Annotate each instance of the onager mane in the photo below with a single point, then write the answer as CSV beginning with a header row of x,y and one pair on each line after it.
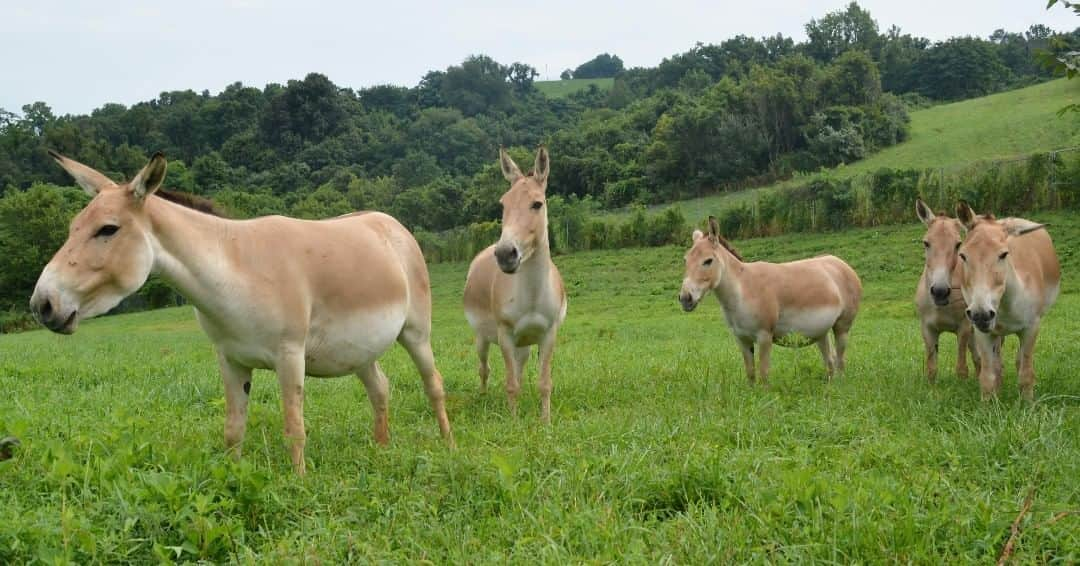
x,y
194,202
730,248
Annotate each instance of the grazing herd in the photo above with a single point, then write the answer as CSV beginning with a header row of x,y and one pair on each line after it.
x,y
328,298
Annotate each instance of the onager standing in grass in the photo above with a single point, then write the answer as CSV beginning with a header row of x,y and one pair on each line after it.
x,y
794,303
938,298
514,294
324,298
1011,277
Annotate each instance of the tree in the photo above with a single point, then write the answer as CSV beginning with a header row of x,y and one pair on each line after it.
x,y
852,79
962,67
566,75
840,31
521,77
601,66
476,86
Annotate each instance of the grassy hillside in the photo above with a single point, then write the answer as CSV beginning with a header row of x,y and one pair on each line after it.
x,y
659,449
559,89
1001,126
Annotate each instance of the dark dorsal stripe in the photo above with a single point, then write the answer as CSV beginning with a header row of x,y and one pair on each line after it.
x,y
191,201
727,246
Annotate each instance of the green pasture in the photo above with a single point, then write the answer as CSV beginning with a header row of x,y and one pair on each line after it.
x,y
659,450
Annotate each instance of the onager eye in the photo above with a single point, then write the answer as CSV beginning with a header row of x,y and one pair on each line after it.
x,y
106,231
963,258
1003,255
707,262
537,205
926,244
957,248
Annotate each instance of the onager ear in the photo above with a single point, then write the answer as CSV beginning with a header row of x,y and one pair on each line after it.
x,y
923,212
1019,226
714,229
542,166
698,234
150,178
91,180
509,169
966,216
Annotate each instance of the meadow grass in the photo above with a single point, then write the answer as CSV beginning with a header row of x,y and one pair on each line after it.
x,y
1001,126
563,88
659,449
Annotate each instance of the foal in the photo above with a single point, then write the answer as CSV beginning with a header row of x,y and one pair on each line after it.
x,y
324,298
938,299
767,303
514,294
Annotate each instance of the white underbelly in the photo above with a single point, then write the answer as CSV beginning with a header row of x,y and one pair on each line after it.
x,y
342,346
808,323
531,328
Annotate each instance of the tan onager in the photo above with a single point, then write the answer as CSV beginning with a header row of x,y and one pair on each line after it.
x,y
320,298
938,299
514,295
765,303
1011,277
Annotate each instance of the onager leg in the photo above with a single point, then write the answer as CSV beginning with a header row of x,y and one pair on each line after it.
x,y
514,358
826,354
1025,359
930,340
963,343
840,335
378,392
747,348
237,380
482,352
989,360
290,371
764,346
546,349
418,344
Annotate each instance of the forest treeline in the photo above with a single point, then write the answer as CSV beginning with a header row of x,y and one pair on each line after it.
x,y
740,112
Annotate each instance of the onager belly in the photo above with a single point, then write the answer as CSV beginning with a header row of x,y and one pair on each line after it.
x,y
530,329
343,345
797,328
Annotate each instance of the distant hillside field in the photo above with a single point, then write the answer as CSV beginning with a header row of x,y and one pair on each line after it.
x,y
1001,126
559,89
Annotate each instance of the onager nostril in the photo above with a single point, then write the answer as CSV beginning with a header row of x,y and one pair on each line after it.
x,y
46,309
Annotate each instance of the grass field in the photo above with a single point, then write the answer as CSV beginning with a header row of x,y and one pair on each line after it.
x,y
559,89
659,450
1001,126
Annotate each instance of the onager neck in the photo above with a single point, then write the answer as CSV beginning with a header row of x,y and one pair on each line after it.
x,y
190,253
729,289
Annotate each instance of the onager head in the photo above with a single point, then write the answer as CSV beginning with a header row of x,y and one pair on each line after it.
x,y
986,262
108,254
524,221
942,241
704,265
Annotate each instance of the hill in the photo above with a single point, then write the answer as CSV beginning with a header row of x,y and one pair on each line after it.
x,y
659,449
562,88
1000,126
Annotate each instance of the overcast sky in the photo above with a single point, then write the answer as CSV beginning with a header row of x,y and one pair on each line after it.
x,y
78,55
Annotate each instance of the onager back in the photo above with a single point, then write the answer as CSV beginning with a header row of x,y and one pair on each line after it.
x,y
514,294
938,299
324,298
794,303
1011,277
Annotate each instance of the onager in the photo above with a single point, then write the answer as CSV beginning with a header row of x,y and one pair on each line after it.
x,y
514,294
794,303
323,298
937,298
1011,277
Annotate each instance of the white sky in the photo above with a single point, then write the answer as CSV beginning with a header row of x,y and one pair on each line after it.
x,y
78,55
